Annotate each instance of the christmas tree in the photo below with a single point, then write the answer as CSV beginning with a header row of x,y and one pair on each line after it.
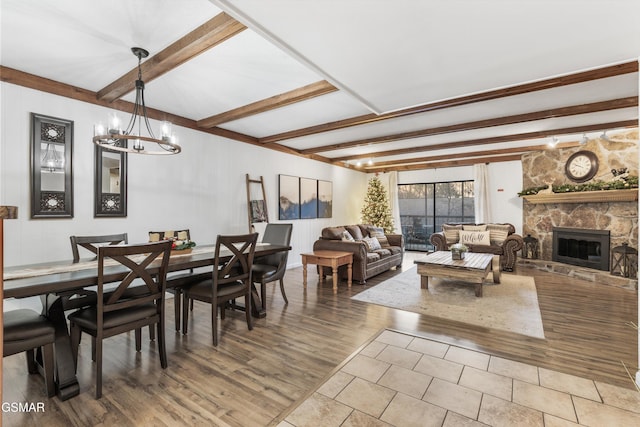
x,y
376,210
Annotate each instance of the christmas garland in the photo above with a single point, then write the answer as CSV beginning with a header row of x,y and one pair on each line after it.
x,y
620,184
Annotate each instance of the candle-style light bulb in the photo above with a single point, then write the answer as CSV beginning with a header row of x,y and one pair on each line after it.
x,y
114,124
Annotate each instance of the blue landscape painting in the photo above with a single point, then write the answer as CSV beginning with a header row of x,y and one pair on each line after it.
x,y
308,198
289,201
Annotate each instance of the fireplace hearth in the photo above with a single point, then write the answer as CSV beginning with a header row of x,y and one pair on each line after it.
x,y
582,247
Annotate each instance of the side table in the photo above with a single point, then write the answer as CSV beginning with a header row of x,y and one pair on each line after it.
x,y
333,259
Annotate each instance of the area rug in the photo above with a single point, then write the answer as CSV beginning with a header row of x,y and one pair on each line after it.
x,y
511,305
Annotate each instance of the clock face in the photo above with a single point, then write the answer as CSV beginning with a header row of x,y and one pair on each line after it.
x,y
581,166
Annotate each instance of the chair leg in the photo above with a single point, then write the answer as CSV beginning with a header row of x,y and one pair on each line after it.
x,y
263,294
185,313
176,307
31,361
139,338
284,295
247,303
98,368
47,359
152,333
93,348
214,323
162,347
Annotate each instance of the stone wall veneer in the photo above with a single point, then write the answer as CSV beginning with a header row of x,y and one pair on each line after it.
x,y
547,167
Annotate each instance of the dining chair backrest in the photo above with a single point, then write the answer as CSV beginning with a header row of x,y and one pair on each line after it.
x,y
156,236
139,259
238,268
277,234
92,243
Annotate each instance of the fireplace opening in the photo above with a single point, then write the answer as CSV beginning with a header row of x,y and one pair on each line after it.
x,y
581,247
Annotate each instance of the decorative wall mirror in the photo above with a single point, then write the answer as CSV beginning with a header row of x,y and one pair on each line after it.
x,y
51,171
110,194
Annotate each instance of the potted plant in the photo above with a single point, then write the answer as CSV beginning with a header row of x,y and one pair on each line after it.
x,y
458,250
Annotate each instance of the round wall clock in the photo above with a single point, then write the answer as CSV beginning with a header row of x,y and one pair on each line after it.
x,y
581,166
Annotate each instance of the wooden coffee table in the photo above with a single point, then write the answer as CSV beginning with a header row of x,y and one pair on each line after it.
x,y
333,259
473,268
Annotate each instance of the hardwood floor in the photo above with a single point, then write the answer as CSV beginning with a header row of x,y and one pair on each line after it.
x,y
252,377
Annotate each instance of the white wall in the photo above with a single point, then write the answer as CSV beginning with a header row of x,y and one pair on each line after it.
x,y
203,188
505,181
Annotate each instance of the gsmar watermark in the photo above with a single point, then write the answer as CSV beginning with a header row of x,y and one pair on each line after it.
x,y
22,406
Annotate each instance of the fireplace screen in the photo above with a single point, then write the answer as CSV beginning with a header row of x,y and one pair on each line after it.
x,y
582,247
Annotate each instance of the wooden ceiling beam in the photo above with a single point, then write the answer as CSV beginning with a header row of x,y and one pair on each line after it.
x,y
493,140
211,33
446,164
555,82
631,101
470,154
296,95
42,84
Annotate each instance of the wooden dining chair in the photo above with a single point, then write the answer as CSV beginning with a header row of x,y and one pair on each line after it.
x,y
230,280
124,309
269,268
92,243
25,331
177,281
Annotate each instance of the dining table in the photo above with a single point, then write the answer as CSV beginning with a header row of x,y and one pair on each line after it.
x,y
53,280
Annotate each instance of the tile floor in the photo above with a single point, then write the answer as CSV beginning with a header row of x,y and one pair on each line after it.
x,y
404,380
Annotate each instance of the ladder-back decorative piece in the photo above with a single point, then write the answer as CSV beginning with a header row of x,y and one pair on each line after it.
x,y
256,207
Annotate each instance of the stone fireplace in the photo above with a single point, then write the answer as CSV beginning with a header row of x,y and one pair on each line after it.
x,y
617,219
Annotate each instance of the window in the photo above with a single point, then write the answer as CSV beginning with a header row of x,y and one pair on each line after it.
x,y
425,207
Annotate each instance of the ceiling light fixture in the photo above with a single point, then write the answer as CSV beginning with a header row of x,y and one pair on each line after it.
x,y
115,138
554,142
370,162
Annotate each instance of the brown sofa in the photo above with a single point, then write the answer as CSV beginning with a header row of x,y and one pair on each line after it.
x,y
366,263
505,246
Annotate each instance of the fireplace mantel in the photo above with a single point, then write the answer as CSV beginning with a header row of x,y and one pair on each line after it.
x,y
605,196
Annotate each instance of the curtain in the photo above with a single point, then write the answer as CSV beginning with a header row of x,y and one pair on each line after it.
x,y
393,201
481,193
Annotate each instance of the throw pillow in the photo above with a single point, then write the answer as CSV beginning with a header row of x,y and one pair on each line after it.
x,y
355,231
475,238
372,243
482,227
499,233
332,233
378,233
451,233
347,237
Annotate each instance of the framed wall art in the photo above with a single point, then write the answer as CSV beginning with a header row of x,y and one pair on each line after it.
x,y
308,198
288,197
325,199
51,171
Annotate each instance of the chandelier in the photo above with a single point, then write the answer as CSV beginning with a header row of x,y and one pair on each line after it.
x,y
113,137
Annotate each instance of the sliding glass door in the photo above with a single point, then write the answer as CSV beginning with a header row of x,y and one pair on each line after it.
x,y
425,207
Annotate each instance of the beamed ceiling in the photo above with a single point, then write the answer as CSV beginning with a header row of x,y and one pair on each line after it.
x,y
374,85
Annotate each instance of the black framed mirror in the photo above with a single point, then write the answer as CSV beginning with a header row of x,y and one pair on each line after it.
x,y
110,192
51,169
